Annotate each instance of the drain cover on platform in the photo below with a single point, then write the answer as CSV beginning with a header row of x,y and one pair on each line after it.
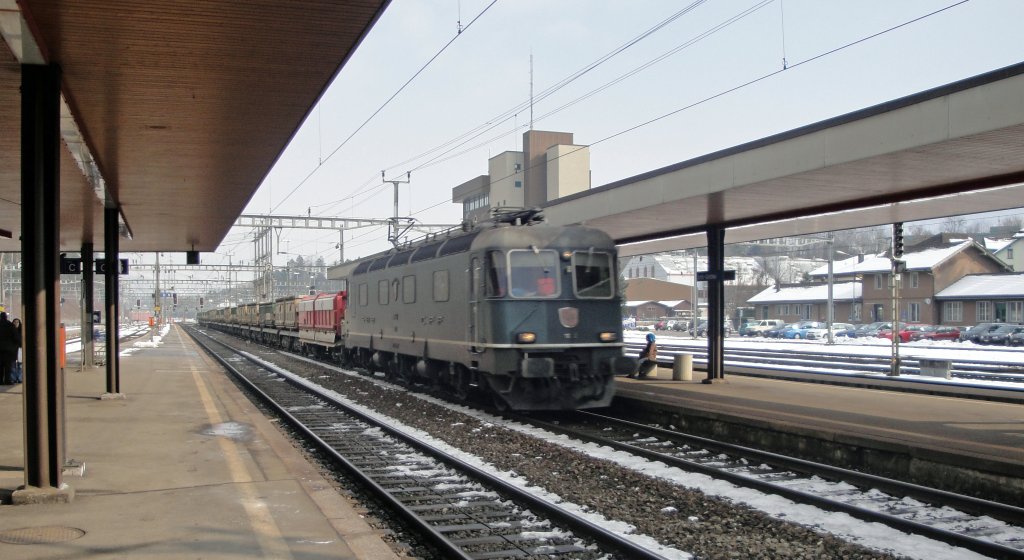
x,y
40,535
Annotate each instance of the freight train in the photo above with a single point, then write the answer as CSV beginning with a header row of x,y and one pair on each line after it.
x,y
525,312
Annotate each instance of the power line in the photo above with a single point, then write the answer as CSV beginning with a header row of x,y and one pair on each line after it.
x,y
385,104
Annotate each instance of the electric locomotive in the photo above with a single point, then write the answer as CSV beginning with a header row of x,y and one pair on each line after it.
x,y
525,311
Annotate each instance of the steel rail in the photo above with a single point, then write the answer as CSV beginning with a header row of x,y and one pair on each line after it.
x,y
978,506
578,524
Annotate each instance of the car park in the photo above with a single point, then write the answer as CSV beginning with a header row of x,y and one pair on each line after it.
x,y
822,332
936,332
777,331
974,333
871,330
906,330
758,328
1000,335
800,329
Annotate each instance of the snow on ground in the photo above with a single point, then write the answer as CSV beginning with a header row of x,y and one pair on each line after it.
x,y
871,347
872,535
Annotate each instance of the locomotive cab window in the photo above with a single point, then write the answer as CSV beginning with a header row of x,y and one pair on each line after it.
x,y
533,274
592,274
497,274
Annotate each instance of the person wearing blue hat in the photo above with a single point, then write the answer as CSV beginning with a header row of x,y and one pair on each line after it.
x,y
648,359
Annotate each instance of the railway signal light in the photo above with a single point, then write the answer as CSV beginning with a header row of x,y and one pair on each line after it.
x,y
174,298
897,240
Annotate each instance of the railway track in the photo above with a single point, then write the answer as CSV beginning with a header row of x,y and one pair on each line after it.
x,y
461,510
990,528
829,362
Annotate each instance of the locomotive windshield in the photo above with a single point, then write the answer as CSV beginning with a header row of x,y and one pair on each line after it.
x,y
592,274
533,274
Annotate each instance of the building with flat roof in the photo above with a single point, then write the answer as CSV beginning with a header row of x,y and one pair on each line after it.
x,y
549,167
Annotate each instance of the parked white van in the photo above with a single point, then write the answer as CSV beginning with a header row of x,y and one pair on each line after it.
x,y
758,328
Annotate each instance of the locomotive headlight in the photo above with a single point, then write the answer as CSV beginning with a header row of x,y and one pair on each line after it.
x,y
526,338
608,337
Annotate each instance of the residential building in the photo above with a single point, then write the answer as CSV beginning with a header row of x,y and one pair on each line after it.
x,y
804,302
983,298
1009,250
931,267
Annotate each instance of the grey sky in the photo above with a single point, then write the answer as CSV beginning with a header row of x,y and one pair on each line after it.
x,y
486,71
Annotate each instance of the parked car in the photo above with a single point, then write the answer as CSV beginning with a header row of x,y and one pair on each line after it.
x,y
853,331
1016,339
702,329
906,330
776,332
872,329
801,328
681,326
972,334
936,332
822,332
758,328
1000,335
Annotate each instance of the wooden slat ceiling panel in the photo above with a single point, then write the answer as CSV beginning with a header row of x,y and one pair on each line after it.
x,y
185,105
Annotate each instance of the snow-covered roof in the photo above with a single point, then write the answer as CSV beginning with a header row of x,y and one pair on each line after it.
x,y
996,245
917,260
845,291
669,303
984,286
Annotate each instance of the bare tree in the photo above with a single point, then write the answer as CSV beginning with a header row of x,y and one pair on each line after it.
x,y
770,268
1016,222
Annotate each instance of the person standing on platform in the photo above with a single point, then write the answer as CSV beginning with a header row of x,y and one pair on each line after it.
x,y
17,361
8,349
648,359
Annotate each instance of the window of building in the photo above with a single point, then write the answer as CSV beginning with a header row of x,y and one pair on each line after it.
x,y
878,281
441,289
1009,254
519,184
914,280
953,311
855,312
914,312
984,311
805,312
1015,311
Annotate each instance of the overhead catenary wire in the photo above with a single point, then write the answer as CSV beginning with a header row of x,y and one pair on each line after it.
x,y
511,113
727,91
383,105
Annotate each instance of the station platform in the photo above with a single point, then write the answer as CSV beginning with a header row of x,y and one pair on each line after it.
x,y
969,446
184,467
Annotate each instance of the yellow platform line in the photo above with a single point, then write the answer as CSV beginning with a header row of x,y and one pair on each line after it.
x,y
268,535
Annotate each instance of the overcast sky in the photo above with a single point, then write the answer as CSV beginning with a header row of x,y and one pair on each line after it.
x,y
717,72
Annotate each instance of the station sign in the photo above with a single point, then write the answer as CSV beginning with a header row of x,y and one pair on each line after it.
x,y
101,266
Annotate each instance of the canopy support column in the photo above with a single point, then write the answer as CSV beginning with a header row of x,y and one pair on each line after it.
x,y
716,304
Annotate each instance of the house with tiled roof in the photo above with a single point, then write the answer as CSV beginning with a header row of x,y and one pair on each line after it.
x,y
983,298
930,268
809,302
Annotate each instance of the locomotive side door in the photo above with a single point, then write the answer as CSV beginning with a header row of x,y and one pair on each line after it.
x,y
473,332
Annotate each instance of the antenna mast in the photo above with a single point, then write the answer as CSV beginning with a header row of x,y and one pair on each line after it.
x,y
531,91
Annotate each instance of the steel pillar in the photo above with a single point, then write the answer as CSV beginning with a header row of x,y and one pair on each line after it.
x,y
716,304
113,268
40,219
88,348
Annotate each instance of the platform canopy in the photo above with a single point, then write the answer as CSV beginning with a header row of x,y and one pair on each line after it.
x,y
174,111
952,150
